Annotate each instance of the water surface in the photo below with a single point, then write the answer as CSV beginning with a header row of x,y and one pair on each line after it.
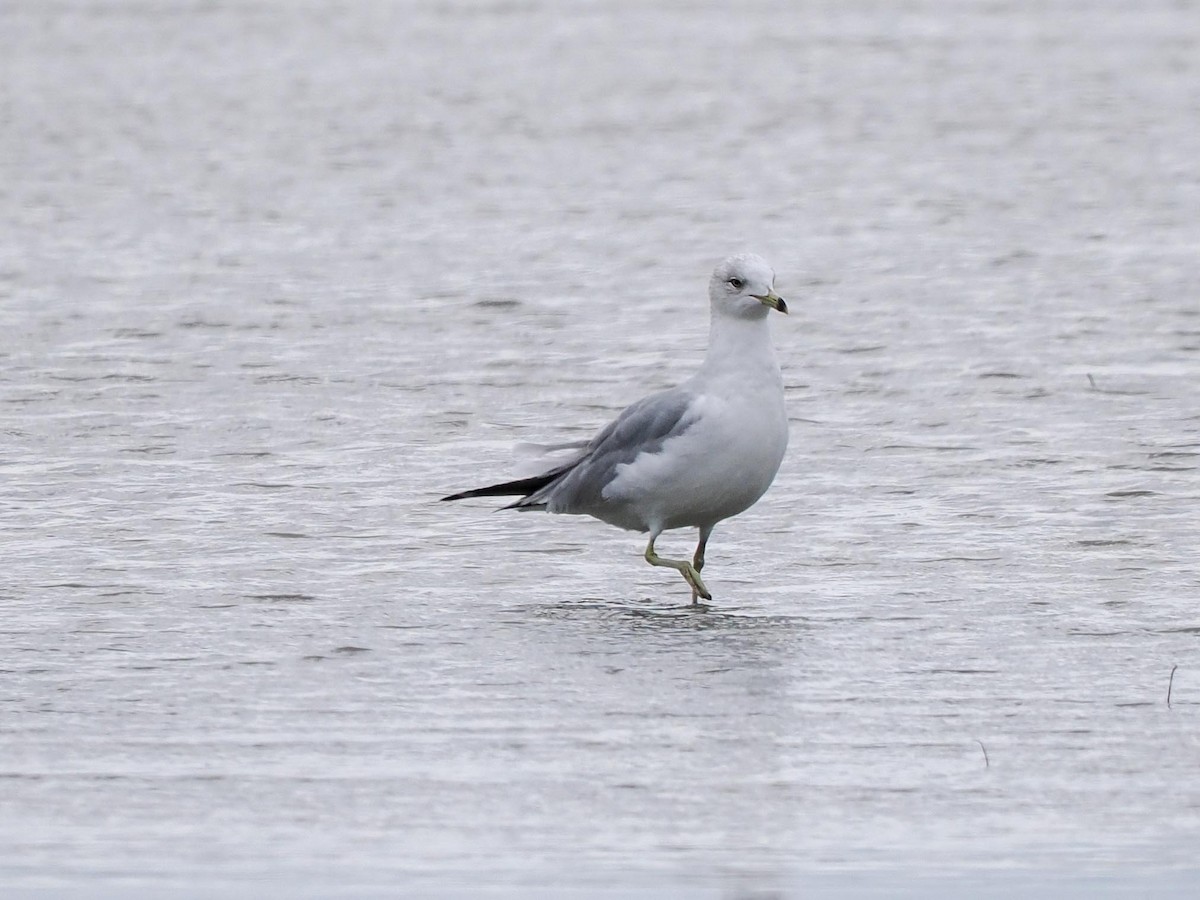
x,y
276,277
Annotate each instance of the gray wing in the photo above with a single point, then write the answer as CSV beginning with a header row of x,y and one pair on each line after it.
x,y
640,428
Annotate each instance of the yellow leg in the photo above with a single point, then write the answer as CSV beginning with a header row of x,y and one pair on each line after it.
x,y
698,559
683,567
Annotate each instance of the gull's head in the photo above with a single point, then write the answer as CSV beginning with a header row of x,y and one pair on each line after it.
x,y
743,286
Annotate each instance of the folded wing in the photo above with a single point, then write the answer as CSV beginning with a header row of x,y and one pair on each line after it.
x,y
577,486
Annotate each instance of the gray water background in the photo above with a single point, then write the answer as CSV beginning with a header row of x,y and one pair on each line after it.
x,y
276,276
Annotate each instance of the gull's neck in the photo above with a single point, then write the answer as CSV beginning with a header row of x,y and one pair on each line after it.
x,y
739,347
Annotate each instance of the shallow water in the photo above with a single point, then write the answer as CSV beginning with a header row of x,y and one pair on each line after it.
x,y
276,277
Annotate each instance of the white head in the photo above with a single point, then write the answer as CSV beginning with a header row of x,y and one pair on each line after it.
x,y
743,287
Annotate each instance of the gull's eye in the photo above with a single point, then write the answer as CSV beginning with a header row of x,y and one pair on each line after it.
x,y
736,283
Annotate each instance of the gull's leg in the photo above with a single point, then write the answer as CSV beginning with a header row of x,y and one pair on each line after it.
x,y
698,560
682,566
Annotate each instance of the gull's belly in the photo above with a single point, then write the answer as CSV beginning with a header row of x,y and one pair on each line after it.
x,y
716,469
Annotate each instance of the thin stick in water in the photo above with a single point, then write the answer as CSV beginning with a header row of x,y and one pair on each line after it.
x,y
1171,684
986,762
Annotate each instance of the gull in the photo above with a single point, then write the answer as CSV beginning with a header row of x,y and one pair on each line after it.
x,y
690,456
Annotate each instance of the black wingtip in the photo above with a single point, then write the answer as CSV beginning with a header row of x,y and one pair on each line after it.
x,y
467,495
522,487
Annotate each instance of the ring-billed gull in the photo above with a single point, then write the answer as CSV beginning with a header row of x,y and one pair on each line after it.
x,y
690,456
